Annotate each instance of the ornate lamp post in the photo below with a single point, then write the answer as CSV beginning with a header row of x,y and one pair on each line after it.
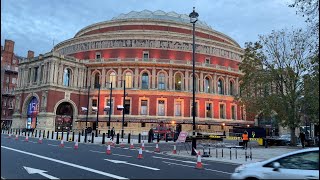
x,y
110,110
193,19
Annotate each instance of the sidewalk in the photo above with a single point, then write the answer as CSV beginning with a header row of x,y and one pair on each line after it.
x,y
258,154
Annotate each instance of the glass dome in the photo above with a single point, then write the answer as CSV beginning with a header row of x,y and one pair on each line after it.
x,y
160,15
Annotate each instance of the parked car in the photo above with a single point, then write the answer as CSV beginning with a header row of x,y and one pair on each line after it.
x,y
301,164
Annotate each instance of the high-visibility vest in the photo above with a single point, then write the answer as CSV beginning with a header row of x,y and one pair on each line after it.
x,y
244,136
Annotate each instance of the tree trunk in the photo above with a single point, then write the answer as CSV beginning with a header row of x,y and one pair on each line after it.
x,y
293,137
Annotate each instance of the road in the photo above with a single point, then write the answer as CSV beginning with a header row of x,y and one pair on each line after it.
x,y
31,160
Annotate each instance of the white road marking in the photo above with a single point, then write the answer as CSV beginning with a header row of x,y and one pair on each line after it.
x,y
39,171
137,165
68,147
52,145
67,163
111,154
194,167
191,162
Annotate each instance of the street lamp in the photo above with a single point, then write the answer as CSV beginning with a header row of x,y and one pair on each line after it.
x,y
193,19
124,98
110,110
97,120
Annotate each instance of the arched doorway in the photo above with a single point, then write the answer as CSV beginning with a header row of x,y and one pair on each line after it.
x,y
64,117
32,113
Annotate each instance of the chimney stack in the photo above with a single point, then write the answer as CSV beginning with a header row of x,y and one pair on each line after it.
x,y
9,45
30,54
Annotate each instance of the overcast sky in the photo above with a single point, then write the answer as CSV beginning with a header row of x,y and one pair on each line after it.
x,y
34,24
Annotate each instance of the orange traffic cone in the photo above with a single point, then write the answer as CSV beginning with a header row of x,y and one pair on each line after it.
x,y
40,140
199,153
142,145
140,154
199,163
16,136
9,136
174,149
157,148
108,150
122,144
109,143
27,139
131,145
61,144
76,145
112,144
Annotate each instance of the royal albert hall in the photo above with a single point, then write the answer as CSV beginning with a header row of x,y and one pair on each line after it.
x,y
147,56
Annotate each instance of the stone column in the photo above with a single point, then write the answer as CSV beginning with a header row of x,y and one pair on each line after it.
x,y
103,78
75,77
186,81
153,78
38,74
227,86
119,77
19,77
237,87
61,72
201,81
170,78
136,78
45,68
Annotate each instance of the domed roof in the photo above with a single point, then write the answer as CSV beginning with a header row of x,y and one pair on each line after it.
x,y
160,15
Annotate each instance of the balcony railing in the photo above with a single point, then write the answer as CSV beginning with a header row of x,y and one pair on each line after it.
x,y
160,61
11,68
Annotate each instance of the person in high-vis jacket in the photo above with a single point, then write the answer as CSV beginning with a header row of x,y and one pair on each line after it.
x,y
245,139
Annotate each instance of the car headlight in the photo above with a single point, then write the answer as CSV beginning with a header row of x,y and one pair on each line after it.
x,y
239,169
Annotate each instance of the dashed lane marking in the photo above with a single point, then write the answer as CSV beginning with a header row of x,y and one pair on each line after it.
x,y
52,145
194,167
111,154
67,163
190,162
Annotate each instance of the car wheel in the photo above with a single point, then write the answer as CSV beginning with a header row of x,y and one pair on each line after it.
x,y
251,178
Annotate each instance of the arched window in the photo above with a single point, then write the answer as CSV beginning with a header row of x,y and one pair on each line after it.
x,y
96,80
145,81
128,78
220,87
231,88
207,83
161,81
112,79
196,87
67,77
178,82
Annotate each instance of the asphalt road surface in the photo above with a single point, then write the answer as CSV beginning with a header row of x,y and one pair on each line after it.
x,y
31,160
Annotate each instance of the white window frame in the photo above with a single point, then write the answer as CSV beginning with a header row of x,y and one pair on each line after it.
x,y
235,111
145,52
181,107
209,102
224,110
106,101
140,107
165,106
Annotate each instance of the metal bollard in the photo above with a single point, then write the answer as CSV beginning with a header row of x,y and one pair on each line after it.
x,y
216,152
117,141
158,137
108,133
82,132
236,154
230,153
79,136
32,133
92,137
139,138
52,132
61,135
39,133
25,133
265,143
19,132
85,137
250,154
57,135
129,138
11,131
48,135
67,139
16,131
245,153
222,153
99,131
73,136
103,138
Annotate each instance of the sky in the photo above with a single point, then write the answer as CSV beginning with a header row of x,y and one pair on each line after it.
x,y
38,24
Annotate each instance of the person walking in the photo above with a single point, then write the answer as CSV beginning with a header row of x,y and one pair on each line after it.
x,y
245,139
112,132
302,138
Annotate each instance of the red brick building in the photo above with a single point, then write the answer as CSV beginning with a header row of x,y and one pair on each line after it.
x,y
152,52
9,75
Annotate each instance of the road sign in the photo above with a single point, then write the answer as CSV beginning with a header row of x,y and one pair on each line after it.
x,y
182,136
39,171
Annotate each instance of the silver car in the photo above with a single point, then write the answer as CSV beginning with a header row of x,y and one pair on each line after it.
x,y
301,164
